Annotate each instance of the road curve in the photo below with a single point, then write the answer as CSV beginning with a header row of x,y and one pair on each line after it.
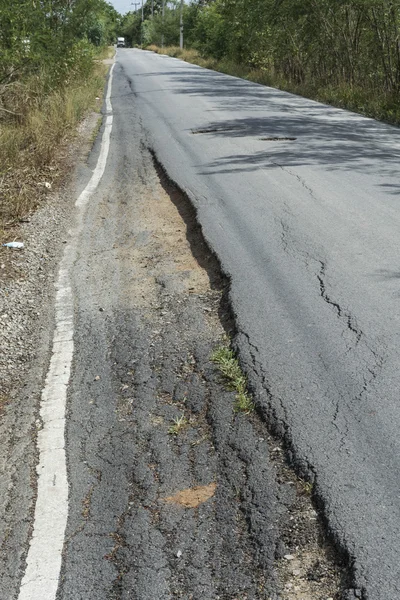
x,y
300,202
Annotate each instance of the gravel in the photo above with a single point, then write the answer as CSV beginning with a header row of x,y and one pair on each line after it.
x,y
26,328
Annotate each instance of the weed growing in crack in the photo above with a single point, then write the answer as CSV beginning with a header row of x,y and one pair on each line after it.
x,y
229,367
179,424
244,403
203,438
86,503
308,487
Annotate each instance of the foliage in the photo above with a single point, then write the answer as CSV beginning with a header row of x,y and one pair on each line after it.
x,y
210,33
342,51
49,78
156,28
32,150
52,36
351,41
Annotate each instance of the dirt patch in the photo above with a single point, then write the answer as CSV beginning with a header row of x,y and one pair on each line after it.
x,y
193,497
309,568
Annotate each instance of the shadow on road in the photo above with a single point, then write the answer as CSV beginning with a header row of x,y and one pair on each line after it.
x,y
325,135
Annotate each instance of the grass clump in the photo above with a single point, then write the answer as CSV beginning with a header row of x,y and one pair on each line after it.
x,y
307,487
236,381
105,53
179,425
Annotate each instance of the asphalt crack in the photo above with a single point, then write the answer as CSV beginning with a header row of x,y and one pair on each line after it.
x,y
155,419
343,314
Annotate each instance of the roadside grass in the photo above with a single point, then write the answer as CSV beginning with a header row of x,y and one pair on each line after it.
x,y
235,380
179,425
369,101
33,143
188,55
106,53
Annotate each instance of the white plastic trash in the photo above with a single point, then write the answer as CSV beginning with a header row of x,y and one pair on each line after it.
x,y
14,245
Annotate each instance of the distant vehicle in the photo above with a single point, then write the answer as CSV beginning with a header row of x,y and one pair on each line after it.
x,y
121,42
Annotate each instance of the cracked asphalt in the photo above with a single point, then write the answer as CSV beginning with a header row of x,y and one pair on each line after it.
x,y
146,325
277,225
306,230
206,510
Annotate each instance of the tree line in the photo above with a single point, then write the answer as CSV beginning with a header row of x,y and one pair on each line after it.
x,y
346,45
338,44
50,41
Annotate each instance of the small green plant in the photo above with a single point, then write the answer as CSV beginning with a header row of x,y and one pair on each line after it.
x,y
244,403
228,365
307,487
179,424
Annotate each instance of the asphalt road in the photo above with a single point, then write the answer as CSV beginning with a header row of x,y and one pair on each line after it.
x,y
307,230
157,513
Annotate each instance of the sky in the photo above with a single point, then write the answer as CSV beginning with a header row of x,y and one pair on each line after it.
x,y
124,6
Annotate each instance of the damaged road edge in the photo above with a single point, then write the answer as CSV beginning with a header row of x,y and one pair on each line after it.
x,y
291,470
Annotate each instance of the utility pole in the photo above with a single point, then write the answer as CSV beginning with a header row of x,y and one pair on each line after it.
x,y
181,27
141,29
135,4
163,14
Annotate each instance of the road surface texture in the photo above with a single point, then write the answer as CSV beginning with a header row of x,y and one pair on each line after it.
x,y
300,202
126,471
209,207
172,494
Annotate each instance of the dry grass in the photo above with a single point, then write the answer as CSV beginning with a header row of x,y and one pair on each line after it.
x,y
188,55
33,146
106,53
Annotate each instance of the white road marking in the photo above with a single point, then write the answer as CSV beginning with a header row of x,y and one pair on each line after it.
x,y
41,578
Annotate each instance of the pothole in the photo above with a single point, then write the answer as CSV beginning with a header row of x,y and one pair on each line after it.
x,y
208,489
215,130
278,139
